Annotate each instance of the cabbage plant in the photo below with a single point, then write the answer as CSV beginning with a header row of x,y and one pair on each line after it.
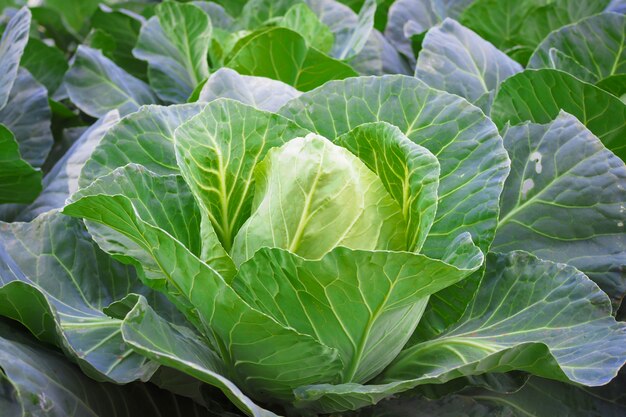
x,y
325,257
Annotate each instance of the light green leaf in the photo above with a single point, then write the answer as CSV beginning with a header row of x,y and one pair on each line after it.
x,y
145,137
517,27
217,151
175,43
96,85
254,346
27,115
473,160
312,196
46,63
597,44
365,304
564,200
180,348
38,381
350,41
260,92
55,280
409,172
12,44
19,181
456,60
261,53
301,19
539,95
545,318
62,180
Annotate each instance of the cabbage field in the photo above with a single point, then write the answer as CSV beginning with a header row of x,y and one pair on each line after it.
x,y
300,208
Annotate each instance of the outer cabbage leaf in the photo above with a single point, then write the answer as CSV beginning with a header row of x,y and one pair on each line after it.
x,y
260,92
62,180
539,95
46,63
175,43
39,381
56,281
301,19
564,200
408,18
180,348
517,27
12,44
365,304
592,49
27,115
456,60
254,346
96,85
545,318
262,53
19,181
145,137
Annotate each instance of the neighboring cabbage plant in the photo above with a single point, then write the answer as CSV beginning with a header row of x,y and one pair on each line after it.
x,y
327,256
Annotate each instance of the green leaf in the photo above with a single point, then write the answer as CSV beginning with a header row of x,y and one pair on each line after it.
x,y
260,92
545,318
616,85
55,281
74,13
312,196
301,19
544,398
175,44
409,173
123,28
46,63
62,180
261,53
145,137
19,181
473,160
597,44
517,27
539,95
564,200
12,44
96,85
217,151
38,381
456,60
254,346
180,348
27,115
342,301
